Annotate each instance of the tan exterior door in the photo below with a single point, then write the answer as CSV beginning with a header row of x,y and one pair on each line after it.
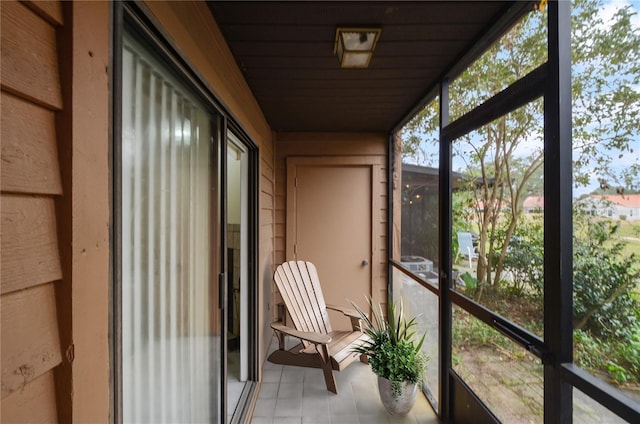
x,y
329,223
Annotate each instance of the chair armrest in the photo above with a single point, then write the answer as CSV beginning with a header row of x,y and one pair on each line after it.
x,y
315,338
353,315
346,311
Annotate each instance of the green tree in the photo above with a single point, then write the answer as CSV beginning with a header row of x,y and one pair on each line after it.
x,y
504,159
603,279
606,98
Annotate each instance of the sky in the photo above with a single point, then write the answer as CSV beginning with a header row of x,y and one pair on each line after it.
x,y
609,9
625,161
607,12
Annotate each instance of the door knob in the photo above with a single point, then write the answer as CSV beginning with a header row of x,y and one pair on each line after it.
x,y
365,262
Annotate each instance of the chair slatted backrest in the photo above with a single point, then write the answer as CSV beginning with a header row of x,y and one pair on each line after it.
x,y
465,243
299,286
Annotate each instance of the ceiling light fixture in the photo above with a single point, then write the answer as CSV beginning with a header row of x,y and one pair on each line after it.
x,y
354,46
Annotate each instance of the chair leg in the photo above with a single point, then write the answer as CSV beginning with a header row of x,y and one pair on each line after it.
x,y
281,341
329,378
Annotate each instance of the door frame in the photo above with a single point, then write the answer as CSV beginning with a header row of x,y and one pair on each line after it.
x,y
249,394
375,164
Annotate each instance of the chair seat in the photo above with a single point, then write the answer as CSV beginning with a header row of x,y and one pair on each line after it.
x,y
341,348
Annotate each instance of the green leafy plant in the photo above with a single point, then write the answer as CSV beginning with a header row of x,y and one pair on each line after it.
x,y
524,258
391,349
604,281
470,282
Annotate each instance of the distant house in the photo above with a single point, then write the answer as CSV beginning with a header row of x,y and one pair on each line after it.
x,y
504,206
613,206
533,204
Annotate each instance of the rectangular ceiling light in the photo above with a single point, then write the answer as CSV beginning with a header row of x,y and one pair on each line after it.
x,y
354,46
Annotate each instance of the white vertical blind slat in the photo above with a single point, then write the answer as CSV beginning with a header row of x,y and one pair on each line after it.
x,y
148,201
173,243
137,260
184,241
191,260
127,198
168,341
164,241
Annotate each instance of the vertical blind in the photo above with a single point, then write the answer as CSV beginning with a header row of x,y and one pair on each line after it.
x,y
170,351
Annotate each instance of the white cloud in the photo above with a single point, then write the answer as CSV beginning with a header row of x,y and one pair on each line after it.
x,y
610,8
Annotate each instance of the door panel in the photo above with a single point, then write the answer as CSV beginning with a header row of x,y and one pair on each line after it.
x,y
331,209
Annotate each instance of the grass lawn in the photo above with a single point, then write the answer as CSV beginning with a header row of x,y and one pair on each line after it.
x,y
630,230
633,247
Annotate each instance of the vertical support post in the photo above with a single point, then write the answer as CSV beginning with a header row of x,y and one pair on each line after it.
x,y
391,212
444,255
558,230
83,380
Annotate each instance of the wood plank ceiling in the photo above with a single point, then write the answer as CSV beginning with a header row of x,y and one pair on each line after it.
x,y
285,50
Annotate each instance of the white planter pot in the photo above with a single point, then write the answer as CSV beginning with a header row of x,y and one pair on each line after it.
x,y
397,397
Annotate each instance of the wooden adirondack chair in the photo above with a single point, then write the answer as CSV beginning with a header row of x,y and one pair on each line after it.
x,y
320,346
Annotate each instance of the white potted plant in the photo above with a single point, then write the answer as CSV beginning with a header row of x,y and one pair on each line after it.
x,y
394,356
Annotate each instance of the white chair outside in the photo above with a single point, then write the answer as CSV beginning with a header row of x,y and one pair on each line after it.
x,y
465,246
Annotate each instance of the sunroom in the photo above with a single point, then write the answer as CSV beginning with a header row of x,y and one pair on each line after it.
x,y
161,159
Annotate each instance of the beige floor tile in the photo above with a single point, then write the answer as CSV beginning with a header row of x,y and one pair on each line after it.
x,y
290,391
287,420
295,395
288,408
269,390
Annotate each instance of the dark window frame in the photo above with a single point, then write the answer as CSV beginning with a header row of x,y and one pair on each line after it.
x,y
552,81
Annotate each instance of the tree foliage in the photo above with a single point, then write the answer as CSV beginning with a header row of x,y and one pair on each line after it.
x,y
525,258
606,96
504,159
603,279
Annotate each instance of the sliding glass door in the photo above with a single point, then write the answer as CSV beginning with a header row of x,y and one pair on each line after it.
x,y
185,194
170,316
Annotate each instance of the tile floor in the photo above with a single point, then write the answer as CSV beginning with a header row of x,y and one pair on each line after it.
x,y
295,395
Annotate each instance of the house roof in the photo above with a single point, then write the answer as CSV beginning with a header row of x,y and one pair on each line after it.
x,y
626,200
533,202
285,51
426,177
